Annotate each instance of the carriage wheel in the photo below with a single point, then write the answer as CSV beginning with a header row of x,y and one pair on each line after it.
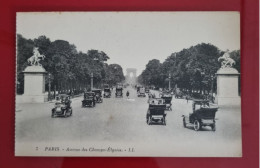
x,y
213,127
197,125
184,123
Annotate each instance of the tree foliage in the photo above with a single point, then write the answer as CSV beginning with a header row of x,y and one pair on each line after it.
x,y
190,69
69,68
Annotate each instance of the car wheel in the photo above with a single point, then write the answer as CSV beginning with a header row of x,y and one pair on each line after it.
x,y
197,125
184,123
149,121
213,127
164,121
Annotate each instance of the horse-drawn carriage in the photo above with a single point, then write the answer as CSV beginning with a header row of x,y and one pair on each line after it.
x,y
89,99
156,111
98,94
62,106
203,114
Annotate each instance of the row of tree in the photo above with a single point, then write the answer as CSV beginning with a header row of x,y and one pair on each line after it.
x,y
191,69
68,68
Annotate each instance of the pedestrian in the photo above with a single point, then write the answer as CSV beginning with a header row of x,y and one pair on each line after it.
x,y
187,98
127,94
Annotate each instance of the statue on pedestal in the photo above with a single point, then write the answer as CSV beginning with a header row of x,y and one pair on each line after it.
x,y
227,82
36,58
226,61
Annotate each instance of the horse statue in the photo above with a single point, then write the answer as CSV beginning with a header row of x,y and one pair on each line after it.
x,y
226,61
36,58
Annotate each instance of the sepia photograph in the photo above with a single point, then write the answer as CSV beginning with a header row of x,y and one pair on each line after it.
x,y
128,84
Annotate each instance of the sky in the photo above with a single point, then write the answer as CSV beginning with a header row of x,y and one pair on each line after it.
x,y
131,39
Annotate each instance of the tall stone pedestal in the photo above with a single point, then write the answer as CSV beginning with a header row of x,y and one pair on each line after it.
x,y
227,87
34,85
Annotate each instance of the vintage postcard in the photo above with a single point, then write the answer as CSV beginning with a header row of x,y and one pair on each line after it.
x,y
164,84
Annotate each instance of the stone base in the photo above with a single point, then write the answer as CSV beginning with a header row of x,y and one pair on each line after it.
x,y
32,98
228,101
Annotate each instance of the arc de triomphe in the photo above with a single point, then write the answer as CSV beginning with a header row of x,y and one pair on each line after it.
x,y
131,80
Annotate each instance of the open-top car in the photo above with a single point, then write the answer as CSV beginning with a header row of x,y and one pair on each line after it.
x,y
156,111
141,92
119,92
89,99
62,106
167,100
98,93
107,93
203,114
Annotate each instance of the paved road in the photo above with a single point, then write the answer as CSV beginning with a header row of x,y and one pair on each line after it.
x,y
123,120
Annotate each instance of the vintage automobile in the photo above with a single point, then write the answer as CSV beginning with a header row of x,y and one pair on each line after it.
x,y
107,93
62,106
203,114
156,111
168,101
106,86
179,94
198,96
138,88
98,94
147,90
89,99
141,92
119,92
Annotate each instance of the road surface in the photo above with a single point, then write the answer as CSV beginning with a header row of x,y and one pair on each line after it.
x,y
124,120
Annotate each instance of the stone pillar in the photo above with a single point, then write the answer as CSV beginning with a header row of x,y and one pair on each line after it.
x,y
227,87
34,85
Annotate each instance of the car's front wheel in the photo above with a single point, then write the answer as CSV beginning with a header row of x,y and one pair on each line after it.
x,y
197,125
213,127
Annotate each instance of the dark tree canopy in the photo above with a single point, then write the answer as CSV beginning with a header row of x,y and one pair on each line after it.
x,y
69,68
191,69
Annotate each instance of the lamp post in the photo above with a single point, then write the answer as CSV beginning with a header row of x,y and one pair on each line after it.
x,y
49,84
212,79
169,81
91,76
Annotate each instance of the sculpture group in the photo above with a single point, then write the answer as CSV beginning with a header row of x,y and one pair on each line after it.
x,y
226,61
36,58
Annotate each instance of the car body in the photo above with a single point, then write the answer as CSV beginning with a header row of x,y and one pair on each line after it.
x,y
203,114
119,92
98,94
179,94
62,106
167,101
89,99
141,92
147,90
107,93
156,111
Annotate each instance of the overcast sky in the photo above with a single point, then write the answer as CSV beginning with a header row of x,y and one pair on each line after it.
x,y
131,39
